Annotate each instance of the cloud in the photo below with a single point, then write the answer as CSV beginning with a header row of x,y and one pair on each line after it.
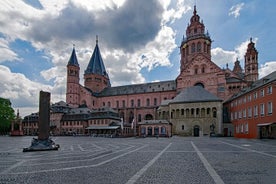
x,y
235,10
221,56
267,68
19,89
133,35
6,54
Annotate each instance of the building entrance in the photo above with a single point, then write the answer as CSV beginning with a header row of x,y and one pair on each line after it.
x,y
196,131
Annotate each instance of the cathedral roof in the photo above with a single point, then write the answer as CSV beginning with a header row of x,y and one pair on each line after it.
x,y
96,65
195,94
139,88
73,59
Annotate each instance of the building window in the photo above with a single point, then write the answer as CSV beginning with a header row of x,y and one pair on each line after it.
x,y
256,111
117,104
155,101
262,93
139,103
108,104
249,112
198,47
269,108
269,90
148,102
193,48
255,95
262,109
139,117
183,128
244,113
240,114
124,103
132,103
182,112
249,98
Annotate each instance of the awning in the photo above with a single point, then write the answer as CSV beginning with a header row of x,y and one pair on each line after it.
x,y
265,124
102,127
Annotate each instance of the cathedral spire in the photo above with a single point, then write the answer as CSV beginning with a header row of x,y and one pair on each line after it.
x,y
195,10
73,59
96,65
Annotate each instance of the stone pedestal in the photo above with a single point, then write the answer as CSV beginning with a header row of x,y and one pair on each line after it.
x,y
43,143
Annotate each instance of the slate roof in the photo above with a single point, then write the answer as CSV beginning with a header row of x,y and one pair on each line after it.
x,y
257,84
73,59
139,88
233,80
96,65
195,94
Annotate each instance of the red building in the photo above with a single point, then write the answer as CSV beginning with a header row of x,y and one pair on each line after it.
x,y
251,110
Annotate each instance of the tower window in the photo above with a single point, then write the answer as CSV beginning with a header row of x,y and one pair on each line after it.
x,y
193,48
198,47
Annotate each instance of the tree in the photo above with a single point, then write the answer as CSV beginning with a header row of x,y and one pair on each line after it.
x,y
6,115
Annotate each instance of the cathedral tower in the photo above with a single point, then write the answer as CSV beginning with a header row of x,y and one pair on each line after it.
x,y
197,41
251,63
95,75
73,86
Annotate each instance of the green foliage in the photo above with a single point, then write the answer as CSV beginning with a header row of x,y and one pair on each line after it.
x,y
6,115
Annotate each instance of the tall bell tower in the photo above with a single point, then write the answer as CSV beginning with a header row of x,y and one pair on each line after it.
x,y
251,63
197,41
73,78
95,75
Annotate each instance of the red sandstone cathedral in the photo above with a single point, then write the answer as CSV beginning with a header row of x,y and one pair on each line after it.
x,y
141,102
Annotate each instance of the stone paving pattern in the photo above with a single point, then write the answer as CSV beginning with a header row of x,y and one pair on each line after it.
x,y
140,160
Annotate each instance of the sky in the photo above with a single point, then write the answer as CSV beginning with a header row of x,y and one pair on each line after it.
x,y
139,40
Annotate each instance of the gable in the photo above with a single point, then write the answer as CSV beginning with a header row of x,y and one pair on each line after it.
x,y
199,65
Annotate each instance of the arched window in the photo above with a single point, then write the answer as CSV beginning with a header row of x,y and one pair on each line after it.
x,y
132,103
148,102
139,103
198,47
214,112
199,84
139,117
155,101
148,117
193,48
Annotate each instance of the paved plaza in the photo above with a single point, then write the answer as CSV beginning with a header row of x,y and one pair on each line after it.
x,y
140,160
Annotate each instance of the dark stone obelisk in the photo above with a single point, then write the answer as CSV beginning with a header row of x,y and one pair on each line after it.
x,y
44,115
43,142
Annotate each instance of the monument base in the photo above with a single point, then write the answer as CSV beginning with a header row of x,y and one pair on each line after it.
x,y
42,145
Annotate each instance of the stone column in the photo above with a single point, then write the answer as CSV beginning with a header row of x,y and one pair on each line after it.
x,y
44,115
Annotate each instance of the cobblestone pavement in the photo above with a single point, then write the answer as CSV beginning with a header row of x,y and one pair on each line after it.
x,y
140,160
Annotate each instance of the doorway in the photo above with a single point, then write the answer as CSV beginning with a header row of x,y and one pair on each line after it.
x,y
196,131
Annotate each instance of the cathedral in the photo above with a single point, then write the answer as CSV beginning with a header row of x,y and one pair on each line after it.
x,y
192,102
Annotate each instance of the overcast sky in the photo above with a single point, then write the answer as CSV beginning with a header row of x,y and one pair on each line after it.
x,y
138,39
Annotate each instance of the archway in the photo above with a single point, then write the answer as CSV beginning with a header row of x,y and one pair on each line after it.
x,y
148,117
199,84
196,131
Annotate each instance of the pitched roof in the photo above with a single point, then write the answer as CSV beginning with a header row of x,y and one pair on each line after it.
x,y
96,65
139,88
195,94
73,59
257,84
